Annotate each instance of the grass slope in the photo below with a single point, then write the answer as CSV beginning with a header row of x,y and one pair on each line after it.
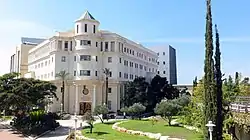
x,y
105,132
163,128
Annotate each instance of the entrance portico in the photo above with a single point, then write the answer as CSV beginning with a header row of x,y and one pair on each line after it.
x,y
85,95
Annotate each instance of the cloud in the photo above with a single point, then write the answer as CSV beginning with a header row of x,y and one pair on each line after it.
x,y
11,33
197,40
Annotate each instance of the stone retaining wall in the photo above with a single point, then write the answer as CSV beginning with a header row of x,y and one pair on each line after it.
x,y
156,136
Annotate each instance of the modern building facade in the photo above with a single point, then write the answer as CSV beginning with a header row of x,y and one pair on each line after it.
x,y
83,53
19,60
167,63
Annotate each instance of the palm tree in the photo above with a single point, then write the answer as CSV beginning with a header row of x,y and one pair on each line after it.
x,y
106,71
62,75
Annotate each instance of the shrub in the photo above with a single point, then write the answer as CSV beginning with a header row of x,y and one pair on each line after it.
x,y
101,110
167,109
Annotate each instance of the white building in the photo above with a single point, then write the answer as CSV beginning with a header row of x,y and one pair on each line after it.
x,y
84,52
167,63
19,60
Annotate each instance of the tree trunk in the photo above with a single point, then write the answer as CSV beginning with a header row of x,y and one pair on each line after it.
x,y
63,87
91,128
169,121
100,118
106,97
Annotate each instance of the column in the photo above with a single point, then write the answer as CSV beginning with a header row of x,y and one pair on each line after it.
x,y
76,101
94,98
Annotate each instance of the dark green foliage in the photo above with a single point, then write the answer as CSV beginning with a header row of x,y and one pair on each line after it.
x,y
101,110
136,92
63,76
167,109
210,109
36,123
23,94
218,80
195,82
139,91
135,110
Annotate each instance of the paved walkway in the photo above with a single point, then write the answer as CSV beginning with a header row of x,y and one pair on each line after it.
x,y
7,134
63,131
60,134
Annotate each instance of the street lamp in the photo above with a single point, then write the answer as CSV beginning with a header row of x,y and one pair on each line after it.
x,y
210,126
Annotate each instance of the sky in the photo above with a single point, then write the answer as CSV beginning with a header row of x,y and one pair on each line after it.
x,y
180,23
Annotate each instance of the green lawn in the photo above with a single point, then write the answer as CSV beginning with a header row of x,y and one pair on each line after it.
x,y
105,132
163,128
5,118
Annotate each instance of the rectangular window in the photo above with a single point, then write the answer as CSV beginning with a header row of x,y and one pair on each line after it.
x,y
46,63
96,58
41,65
85,42
77,28
120,74
125,75
95,73
59,45
109,90
84,72
109,59
52,74
141,66
94,29
106,46
52,60
85,28
63,59
120,60
112,49
85,57
74,58
133,52
66,43
163,53
96,44
101,46
163,62
136,65
71,45
164,72
110,74
74,73
109,105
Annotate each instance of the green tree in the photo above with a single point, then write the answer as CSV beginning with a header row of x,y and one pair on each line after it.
x,y
167,109
210,108
139,91
195,82
106,72
136,92
63,76
218,79
101,110
23,94
136,110
89,119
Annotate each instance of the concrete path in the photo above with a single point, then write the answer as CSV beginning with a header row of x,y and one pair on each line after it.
x,y
7,134
66,126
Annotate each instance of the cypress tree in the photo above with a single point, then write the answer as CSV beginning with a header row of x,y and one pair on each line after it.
x,y
209,77
218,79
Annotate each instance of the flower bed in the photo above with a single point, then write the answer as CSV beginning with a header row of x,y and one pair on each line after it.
x,y
156,136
